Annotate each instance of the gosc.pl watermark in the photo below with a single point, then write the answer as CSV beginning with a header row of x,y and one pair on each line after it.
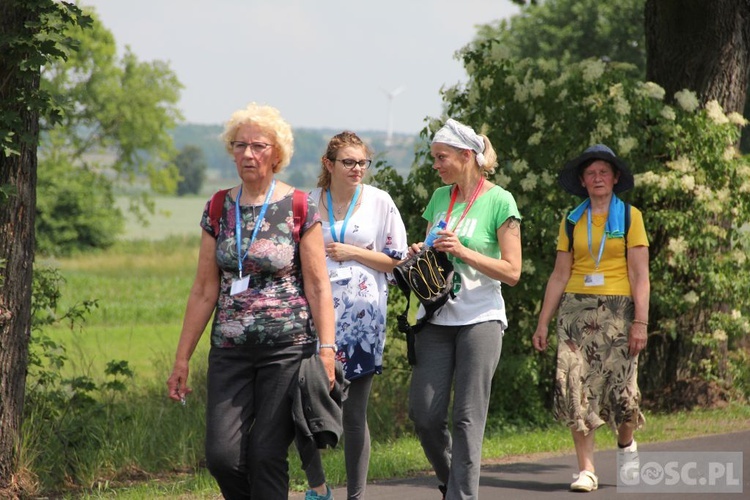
x,y
680,472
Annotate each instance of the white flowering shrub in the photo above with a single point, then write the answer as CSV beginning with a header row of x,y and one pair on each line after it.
x,y
693,190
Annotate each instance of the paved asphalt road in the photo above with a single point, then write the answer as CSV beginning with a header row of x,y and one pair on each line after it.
x,y
550,477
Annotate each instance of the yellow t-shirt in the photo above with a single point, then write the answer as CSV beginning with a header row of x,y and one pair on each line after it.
x,y
613,265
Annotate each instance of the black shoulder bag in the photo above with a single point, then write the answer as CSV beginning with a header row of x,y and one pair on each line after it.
x,y
429,275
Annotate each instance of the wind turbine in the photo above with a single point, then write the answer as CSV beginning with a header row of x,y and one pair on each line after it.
x,y
391,95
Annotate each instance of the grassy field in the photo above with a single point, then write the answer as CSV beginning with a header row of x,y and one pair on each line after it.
x,y
141,288
173,216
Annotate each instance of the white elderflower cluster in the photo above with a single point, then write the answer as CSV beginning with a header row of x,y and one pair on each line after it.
x,y
622,106
548,179
691,297
539,121
528,267
668,113
737,119
687,100
502,179
592,70
626,144
716,113
535,139
677,246
652,90
681,164
529,182
499,52
537,88
719,335
687,183
519,166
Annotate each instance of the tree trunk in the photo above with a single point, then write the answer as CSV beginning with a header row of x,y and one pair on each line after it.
x,y
700,45
17,212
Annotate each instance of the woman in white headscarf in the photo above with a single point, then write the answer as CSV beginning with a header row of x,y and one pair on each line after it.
x,y
461,342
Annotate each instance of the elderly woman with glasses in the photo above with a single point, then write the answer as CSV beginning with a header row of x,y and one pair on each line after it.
x,y
364,238
262,275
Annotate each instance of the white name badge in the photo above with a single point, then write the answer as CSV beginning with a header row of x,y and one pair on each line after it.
x,y
239,286
596,279
341,274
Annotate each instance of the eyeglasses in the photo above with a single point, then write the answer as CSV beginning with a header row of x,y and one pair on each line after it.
x,y
350,163
255,147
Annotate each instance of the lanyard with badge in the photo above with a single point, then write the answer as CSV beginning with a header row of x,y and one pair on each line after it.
x,y
342,274
241,284
595,278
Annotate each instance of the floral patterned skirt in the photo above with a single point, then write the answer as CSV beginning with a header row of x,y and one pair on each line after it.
x,y
596,381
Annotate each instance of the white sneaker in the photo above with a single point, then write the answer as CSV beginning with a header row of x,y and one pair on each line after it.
x,y
587,481
628,463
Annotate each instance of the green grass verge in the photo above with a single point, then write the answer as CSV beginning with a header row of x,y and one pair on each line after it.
x,y
404,457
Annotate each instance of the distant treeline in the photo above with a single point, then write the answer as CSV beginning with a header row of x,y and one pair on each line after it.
x,y
309,146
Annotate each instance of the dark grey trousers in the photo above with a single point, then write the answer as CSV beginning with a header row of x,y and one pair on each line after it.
x,y
466,356
356,441
249,423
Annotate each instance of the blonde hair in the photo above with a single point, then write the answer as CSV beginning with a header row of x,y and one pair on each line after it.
x,y
270,121
338,142
490,157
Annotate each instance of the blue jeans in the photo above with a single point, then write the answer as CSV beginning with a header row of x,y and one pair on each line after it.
x,y
249,423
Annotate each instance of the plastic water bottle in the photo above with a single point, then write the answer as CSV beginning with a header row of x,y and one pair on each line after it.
x,y
432,236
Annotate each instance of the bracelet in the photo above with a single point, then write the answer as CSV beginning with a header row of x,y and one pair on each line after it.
x,y
644,323
328,346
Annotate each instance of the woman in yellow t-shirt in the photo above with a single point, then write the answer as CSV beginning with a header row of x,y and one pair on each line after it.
x,y
600,290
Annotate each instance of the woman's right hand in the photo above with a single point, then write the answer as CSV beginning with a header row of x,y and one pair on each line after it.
x,y
413,249
177,382
539,340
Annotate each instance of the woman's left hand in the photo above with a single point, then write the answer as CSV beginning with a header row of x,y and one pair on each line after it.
x,y
329,362
340,252
637,338
448,242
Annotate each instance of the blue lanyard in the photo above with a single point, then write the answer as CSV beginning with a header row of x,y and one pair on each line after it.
x,y
352,204
258,223
601,246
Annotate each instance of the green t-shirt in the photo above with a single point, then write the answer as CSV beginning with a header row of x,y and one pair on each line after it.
x,y
478,298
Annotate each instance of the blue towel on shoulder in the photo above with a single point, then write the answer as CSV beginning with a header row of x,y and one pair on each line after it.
x,y
615,226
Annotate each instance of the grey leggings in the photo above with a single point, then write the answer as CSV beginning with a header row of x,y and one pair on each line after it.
x,y
356,441
466,356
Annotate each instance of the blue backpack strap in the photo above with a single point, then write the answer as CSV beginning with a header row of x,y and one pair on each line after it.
x,y
569,226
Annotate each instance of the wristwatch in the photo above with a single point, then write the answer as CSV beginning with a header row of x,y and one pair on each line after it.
x,y
328,346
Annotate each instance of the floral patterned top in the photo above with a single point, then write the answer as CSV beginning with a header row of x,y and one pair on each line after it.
x,y
361,297
273,310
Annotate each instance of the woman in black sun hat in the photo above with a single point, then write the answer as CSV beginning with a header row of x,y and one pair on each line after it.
x,y
600,290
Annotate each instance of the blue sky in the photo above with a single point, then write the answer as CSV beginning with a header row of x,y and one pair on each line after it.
x,y
322,63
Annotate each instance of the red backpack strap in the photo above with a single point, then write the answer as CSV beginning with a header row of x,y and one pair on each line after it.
x,y
299,212
215,209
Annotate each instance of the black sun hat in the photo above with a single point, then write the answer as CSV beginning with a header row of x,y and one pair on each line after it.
x,y
570,176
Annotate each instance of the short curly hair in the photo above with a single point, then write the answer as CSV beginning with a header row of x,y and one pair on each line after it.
x,y
267,118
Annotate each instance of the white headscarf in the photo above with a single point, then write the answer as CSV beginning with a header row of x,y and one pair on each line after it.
x,y
460,136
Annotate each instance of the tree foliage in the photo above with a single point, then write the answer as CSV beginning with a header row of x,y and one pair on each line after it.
x,y
191,165
115,118
573,30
